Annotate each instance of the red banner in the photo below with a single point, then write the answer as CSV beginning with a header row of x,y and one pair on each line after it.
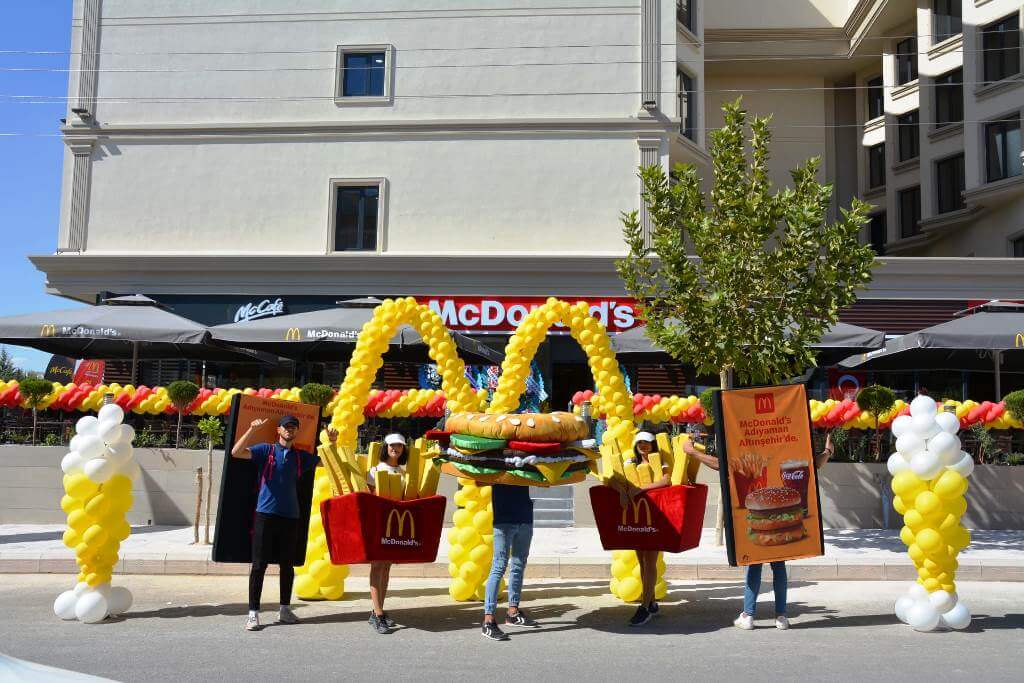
x,y
844,384
668,519
362,527
503,314
90,372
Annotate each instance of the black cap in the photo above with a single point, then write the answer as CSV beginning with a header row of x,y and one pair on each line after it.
x,y
288,420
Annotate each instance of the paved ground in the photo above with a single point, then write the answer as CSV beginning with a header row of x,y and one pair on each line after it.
x,y
190,629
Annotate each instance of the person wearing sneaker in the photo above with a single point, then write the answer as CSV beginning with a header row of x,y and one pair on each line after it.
x,y
380,572
643,445
780,581
276,525
513,532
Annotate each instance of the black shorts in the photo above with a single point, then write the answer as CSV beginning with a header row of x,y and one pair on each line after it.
x,y
274,539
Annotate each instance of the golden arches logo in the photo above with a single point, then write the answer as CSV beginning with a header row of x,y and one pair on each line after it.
x,y
1018,342
401,516
292,334
48,330
637,505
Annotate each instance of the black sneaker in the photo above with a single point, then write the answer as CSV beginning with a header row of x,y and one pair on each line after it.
x,y
641,617
520,618
492,632
378,624
388,621
653,608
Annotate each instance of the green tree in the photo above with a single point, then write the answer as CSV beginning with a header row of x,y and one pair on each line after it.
x,y
743,284
181,393
34,391
316,394
213,429
8,370
877,400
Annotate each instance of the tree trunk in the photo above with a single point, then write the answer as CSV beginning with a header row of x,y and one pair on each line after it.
x,y
725,380
199,504
34,415
177,436
209,492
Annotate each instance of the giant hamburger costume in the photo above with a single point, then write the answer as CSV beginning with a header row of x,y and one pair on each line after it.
x,y
519,449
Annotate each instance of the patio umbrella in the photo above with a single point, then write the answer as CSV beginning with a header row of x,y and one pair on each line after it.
x,y
838,342
132,327
990,339
330,335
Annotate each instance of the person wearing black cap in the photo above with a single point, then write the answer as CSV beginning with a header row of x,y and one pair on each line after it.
x,y
276,525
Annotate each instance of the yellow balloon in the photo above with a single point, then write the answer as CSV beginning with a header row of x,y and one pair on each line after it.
x,y
928,504
79,520
481,554
457,553
306,587
914,520
660,590
460,590
335,592
950,485
470,572
98,505
71,538
80,486
95,535
932,585
907,536
898,505
630,589
929,540
620,569
916,554
69,504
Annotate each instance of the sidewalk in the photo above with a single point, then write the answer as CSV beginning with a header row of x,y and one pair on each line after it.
x,y
865,554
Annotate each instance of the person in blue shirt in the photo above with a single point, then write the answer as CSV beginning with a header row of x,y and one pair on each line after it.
x,y
513,531
276,526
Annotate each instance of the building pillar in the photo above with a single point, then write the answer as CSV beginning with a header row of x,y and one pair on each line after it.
x,y
650,54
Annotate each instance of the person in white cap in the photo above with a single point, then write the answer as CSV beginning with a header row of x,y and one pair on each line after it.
x,y
380,572
643,444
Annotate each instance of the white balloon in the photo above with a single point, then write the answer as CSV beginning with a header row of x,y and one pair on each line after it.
x,y
942,601
120,600
943,443
89,446
900,426
897,463
71,463
111,412
91,607
64,605
909,444
918,592
109,431
964,466
922,616
120,453
126,435
131,470
80,588
927,431
923,405
948,422
99,469
86,425
958,617
925,465
76,441
903,605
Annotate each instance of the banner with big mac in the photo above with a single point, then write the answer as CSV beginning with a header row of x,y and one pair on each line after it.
x,y
766,465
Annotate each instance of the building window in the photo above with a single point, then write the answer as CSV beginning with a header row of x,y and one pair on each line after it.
x,y
686,10
356,216
949,181
1000,48
909,201
907,133
364,74
1018,247
876,98
946,21
1002,149
687,104
906,61
878,232
949,98
876,166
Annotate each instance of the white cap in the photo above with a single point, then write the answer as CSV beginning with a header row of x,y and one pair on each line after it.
x,y
394,438
643,436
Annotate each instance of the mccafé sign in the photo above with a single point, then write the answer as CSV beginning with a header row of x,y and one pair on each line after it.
x,y
503,314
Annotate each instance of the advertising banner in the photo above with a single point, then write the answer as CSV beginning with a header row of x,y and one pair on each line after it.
x,y
60,369
363,527
843,384
239,484
483,314
766,466
90,372
668,519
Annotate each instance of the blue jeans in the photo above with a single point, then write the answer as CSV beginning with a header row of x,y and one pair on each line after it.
x,y
753,587
514,539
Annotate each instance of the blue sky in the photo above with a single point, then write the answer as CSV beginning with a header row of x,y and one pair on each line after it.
x,y
31,170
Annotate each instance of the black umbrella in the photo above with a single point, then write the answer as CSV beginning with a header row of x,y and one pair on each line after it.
x,y
330,335
124,327
989,340
838,342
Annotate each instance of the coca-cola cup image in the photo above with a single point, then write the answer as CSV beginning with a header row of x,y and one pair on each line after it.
x,y
795,475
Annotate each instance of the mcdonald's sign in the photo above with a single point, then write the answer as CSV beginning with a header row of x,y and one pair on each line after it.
x,y
1018,342
637,505
48,330
292,334
401,517
764,403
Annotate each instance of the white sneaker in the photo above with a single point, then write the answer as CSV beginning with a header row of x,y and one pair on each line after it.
x,y
745,622
781,623
287,616
252,623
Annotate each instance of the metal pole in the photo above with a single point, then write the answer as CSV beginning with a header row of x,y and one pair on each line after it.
x,y
135,363
996,357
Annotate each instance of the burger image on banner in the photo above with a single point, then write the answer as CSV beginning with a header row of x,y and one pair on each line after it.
x,y
521,449
775,516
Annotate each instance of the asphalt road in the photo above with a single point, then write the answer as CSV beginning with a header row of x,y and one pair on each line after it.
x,y
190,629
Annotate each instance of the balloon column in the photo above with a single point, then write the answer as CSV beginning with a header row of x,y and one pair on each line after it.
x,y
318,579
98,476
929,482
471,541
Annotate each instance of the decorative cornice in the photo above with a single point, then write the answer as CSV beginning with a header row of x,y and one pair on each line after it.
x,y
997,190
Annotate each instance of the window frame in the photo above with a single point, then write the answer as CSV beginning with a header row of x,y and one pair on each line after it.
x,y
1016,241
690,23
382,203
1013,20
942,88
871,185
937,33
908,57
915,229
959,203
871,97
387,98
1009,164
688,123
879,248
912,130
